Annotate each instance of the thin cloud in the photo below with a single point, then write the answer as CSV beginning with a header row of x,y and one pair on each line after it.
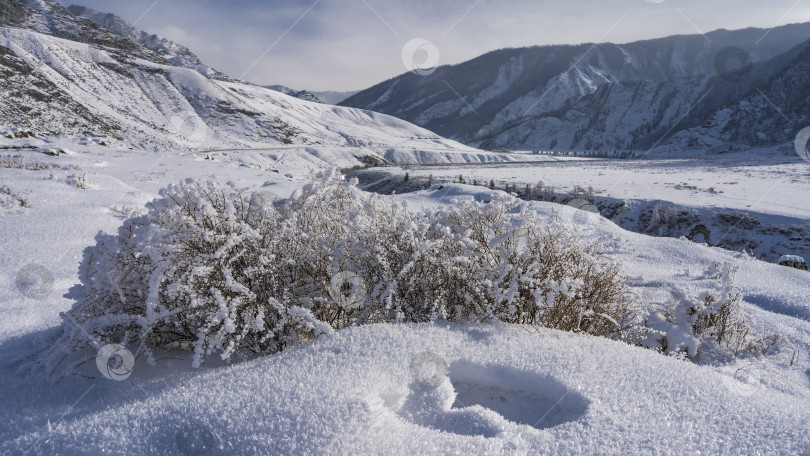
x,y
353,44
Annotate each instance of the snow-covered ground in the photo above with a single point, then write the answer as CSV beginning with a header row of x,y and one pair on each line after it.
x,y
769,181
750,201
383,389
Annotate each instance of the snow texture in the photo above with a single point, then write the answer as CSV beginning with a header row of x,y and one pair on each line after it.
x,y
509,390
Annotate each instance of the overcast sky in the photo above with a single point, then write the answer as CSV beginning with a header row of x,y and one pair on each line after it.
x,y
353,44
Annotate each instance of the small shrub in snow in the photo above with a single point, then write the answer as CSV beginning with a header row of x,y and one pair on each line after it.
x,y
211,270
11,200
710,324
126,212
716,271
793,261
78,180
190,274
21,162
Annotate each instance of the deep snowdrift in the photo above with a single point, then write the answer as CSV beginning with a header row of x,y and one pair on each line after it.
x,y
355,393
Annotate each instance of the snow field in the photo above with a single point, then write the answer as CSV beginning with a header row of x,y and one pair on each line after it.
x,y
380,389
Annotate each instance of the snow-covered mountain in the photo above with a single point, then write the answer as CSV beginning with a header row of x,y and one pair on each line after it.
x,y
300,94
63,74
328,97
48,17
173,52
771,111
586,97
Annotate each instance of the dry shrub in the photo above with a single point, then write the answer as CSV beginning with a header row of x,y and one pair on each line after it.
x,y
212,270
710,325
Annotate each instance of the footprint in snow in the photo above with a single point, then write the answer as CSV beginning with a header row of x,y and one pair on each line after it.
x,y
472,399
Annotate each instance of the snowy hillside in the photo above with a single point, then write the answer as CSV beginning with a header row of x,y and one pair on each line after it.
x,y
173,52
135,95
771,113
743,201
353,393
586,97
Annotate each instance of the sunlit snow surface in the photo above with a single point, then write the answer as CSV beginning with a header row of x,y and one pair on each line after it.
x,y
507,390
769,181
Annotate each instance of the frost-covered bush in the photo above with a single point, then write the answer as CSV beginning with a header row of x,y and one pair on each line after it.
x,y
468,262
78,180
710,324
196,272
497,260
214,271
22,162
12,200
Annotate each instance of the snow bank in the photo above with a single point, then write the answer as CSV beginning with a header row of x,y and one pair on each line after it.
x,y
507,391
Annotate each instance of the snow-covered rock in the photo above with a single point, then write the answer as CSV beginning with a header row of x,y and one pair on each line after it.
x,y
791,258
793,261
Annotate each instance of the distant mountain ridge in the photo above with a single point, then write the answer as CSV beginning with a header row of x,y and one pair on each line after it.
x,y
333,97
328,97
771,110
588,97
300,94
